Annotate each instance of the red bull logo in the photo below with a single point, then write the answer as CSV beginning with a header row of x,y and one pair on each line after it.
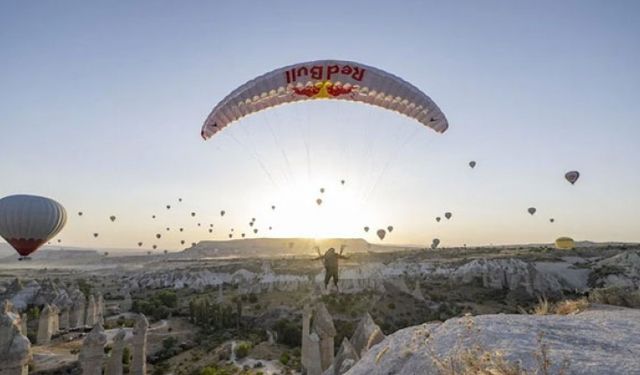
x,y
325,73
325,89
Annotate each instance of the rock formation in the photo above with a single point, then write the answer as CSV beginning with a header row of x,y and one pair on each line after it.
x,y
92,352
139,346
45,325
417,292
603,340
367,334
15,348
91,317
114,365
100,309
76,316
127,302
311,358
63,320
55,319
346,358
326,331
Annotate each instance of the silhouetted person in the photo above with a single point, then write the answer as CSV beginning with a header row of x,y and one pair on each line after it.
x,y
330,261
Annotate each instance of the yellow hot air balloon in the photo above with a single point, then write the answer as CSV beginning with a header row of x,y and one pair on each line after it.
x,y
565,243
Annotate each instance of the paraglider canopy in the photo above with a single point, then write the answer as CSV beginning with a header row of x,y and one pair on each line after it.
x,y
28,221
325,79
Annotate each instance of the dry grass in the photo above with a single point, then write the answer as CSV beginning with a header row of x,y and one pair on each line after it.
x,y
566,307
479,360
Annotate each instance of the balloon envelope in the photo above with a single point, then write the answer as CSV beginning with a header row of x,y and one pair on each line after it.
x,y
531,210
448,215
390,228
381,233
29,221
572,176
472,164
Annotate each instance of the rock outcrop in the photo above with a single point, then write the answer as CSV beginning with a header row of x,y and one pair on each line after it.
x,y
366,335
114,364
92,352
76,315
45,325
91,317
139,346
311,357
323,326
15,348
344,360
603,340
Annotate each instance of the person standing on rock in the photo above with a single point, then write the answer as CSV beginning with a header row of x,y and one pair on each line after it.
x,y
330,261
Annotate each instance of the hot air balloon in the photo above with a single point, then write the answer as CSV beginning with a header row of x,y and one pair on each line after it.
x,y
168,229
166,252
390,228
139,244
251,223
565,243
366,229
435,243
181,242
59,240
438,219
112,218
28,221
106,253
193,214
232,229
158,236
80,213
318,201
193,244
95,235
242,235
381,233
448,215
153,216
210,225
179,199
552,220
325,79
230,235
270,228
472,164
198,224
181,229
321,190
342,182
253,219
255,230
531,210
572,176
210,230
273,207
222,213
168,207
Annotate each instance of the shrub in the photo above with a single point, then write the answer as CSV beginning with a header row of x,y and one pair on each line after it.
x,y
284,358
242,350
618,296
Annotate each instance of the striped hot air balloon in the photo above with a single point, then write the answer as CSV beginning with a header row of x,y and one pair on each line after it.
x,y
28,221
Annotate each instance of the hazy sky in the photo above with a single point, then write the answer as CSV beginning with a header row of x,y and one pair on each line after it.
x,y
101,105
